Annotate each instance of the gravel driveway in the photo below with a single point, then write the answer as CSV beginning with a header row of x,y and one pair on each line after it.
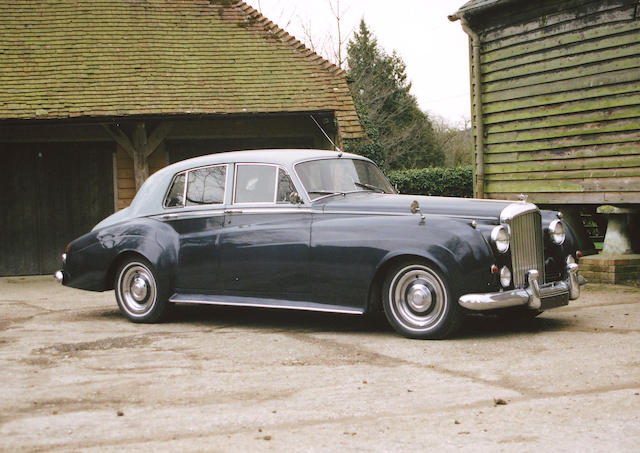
x,y
77,376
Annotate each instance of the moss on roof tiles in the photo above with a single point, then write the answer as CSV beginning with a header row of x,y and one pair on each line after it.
x,y
68,58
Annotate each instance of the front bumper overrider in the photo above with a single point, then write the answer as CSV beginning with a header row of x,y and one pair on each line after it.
x,y
535,296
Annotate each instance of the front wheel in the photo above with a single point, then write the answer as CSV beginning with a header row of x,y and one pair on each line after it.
x,y
140,296
417,302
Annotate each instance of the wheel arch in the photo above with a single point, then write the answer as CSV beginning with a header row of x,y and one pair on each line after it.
x,y
123,256
443,261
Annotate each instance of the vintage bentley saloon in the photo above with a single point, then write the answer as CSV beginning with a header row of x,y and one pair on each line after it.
x,y
322,231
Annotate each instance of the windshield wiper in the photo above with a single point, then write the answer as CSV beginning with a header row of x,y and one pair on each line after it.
x,y
369,187
327,192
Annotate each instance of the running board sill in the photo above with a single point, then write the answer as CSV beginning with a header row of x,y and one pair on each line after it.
x,y
235,301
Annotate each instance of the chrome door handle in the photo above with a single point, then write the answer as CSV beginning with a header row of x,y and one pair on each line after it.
x,y
233,211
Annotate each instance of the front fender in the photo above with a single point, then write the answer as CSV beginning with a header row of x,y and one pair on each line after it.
x,y
459,251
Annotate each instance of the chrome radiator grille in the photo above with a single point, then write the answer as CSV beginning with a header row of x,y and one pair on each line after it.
x,y
527,246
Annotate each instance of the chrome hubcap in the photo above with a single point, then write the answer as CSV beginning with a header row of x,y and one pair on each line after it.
x,y
418,297
137,289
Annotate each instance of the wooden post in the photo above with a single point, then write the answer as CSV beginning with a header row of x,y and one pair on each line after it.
x,y
140,146
140,163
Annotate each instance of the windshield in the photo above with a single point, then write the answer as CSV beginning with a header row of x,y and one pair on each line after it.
x,y
330,176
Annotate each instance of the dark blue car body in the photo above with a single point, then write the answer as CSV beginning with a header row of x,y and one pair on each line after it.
x,y
344,251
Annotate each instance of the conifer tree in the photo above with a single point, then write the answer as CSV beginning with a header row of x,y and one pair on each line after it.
x,y
401,134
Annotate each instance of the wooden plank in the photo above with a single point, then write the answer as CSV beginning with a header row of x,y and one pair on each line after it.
x,y
558,98
565,142
126,183
566,174
572,198
552,24
561,86
608,150
577,34
565,131
627,184
127,194
562,63
565,164
124,202
565,120
602,103
552,52
619,64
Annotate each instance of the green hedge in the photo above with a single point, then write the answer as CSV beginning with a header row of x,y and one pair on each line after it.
x,y
438,181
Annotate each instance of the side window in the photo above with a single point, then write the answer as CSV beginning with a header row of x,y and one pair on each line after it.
x,y
255,183
175,197
206,185
285,187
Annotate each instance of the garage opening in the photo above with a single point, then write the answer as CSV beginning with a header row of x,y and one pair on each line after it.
x,y
51,193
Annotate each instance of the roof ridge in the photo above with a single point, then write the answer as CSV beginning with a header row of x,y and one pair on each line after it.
x,y
292,41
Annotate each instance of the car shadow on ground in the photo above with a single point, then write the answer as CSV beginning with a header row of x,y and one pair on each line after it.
x,y
473,326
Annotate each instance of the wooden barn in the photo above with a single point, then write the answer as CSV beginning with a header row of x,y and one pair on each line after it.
x,y
556,105
98,94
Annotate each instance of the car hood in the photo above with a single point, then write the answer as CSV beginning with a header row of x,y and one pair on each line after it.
x,y
475,209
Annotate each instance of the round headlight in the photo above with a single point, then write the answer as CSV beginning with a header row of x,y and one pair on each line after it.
x,y
557,233
505,277
500,238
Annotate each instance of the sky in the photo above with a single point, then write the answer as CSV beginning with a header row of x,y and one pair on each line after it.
x,y
435,50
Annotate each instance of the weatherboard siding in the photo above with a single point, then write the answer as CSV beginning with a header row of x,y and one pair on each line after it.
x,y
561,102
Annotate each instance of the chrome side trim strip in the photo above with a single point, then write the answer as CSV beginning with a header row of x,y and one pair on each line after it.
x,y
273,210
222,212
304,306
403,214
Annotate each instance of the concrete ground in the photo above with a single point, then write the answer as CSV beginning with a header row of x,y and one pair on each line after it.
x,y
75,375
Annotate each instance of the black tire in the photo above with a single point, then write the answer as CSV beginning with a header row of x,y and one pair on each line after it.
x,y
141,296
417,301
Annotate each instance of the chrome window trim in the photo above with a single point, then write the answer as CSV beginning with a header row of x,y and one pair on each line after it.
x,y
188,214
274,202
186,184
169,186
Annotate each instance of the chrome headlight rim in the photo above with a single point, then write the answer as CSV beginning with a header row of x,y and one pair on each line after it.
x,y
500,239
505,277
557,232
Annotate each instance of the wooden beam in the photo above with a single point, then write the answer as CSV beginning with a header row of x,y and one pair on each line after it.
x,y
120,138
156,137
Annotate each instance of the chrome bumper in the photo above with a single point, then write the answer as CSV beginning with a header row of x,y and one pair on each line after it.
x,y
535,296
59,275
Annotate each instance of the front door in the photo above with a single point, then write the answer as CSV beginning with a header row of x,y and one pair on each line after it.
x,y
265,239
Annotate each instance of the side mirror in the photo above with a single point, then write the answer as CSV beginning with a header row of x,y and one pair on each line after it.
x,y
294,198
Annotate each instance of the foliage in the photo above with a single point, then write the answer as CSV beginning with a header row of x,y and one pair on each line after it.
x,y
456,141
438,181
388,111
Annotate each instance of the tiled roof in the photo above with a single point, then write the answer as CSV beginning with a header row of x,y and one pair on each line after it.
x,y
94,58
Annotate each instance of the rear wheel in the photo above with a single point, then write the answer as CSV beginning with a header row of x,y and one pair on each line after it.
x,y
417,302
141,297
